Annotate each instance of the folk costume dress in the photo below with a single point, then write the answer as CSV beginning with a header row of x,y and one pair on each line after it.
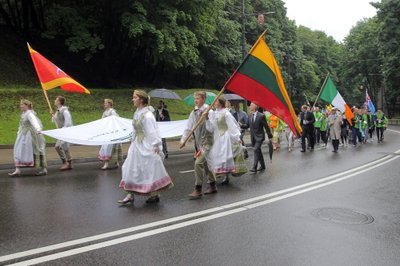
x,y
143,171
111,153
29,147
226,155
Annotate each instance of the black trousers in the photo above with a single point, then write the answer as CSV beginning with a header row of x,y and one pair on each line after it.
x,y
308,132
379,133
258,156
323,137
335,144
317,135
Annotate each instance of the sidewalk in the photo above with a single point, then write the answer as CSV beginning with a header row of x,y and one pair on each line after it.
x,y
83,154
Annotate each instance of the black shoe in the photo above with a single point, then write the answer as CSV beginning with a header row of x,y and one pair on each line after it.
x,y
303,151
246,156
166,156
225,181
261,169
253,170
154,199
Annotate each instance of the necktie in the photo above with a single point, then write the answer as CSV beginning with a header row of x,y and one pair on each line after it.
x,y
235,115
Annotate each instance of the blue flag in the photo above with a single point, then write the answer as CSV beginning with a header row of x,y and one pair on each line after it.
x,y
369,103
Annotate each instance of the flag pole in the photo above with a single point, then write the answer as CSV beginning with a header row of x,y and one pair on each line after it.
x,y
322,87
51,109
201,120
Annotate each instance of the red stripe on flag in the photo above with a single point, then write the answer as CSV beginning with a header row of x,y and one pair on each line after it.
x,y
255,92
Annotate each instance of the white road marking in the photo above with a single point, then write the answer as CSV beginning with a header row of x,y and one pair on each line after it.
x,y
252,203
188,171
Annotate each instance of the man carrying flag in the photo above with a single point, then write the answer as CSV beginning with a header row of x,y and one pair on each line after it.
x,y
330,94
51,76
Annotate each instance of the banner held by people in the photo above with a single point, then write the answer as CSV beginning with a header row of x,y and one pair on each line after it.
x,y
110,130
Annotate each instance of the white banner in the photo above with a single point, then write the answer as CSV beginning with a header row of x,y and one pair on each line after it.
x,y
110,130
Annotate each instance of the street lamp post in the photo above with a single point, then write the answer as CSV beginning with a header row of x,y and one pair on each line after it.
x,y
244,51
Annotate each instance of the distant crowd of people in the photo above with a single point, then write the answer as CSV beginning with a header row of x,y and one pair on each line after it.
x,y
218,135
319,126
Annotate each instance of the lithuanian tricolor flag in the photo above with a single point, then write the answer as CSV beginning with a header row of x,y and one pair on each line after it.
x,y
330,94
259,80
51,76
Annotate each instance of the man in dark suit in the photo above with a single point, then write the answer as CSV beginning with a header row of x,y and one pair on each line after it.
x,y
307,120
257,124
162,115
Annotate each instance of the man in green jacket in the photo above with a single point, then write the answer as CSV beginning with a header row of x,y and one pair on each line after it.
x,y
379,124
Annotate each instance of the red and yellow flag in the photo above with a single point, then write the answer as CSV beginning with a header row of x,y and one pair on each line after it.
x,y
258,79
51,76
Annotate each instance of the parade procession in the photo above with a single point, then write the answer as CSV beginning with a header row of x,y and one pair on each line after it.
x,y
212,133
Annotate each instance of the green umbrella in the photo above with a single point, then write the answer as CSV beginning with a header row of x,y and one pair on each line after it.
x,y
190,98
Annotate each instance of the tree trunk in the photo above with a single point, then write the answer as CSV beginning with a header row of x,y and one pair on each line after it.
x,y
41,14
25,19
5,16
33,15
12,14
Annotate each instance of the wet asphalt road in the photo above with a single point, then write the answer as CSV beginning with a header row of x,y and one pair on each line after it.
x,y
351,222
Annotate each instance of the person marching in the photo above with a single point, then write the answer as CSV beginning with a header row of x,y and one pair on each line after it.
x,y
379,123
242,118
143,171
317,124
334,122
63,118
30,145
366,123
162,115
257,124
226,155
110,154
307,124
203,143
323,129
344,130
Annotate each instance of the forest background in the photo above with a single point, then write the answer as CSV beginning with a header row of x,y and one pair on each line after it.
x,y
114,46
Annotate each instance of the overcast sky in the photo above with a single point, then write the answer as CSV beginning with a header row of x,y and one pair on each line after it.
x,y
334,17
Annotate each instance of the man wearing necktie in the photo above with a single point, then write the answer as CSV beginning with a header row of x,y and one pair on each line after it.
x,y
257,124
307,120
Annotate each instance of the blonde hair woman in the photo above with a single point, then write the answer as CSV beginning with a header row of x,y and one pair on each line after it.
x,y
143,171
29,147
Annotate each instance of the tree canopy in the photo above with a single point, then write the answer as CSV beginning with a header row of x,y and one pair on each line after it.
x,y
200,43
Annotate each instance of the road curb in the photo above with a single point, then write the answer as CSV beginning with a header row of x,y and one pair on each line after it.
x,y
88,160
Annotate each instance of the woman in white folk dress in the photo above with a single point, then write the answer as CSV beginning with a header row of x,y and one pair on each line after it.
x,y
110,154
30,145
143,171
226,154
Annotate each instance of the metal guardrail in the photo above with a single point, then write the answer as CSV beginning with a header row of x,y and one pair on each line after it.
x,y
394,122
